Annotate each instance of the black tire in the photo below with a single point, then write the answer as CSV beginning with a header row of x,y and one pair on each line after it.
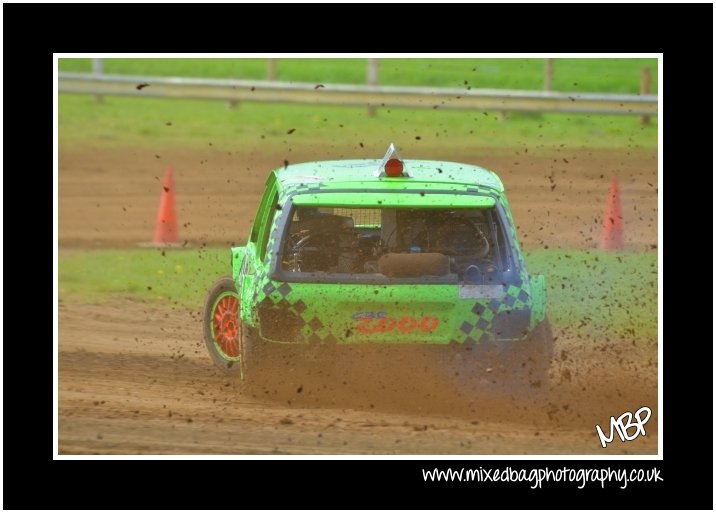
x,y
220,324
251,346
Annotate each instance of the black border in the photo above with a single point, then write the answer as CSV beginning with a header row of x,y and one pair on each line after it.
x,y
33,480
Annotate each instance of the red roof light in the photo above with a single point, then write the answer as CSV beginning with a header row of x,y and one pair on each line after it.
x,y
394,168
392,165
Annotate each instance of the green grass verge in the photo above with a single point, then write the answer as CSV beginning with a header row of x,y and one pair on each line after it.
x,y
177,276
599,295
264,128
584,75
591,294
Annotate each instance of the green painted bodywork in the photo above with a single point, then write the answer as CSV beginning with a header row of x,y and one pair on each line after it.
x,y
237,260
334,313
392,200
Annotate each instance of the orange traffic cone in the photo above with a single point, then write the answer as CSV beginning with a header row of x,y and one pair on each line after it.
x,y
166,231
612,227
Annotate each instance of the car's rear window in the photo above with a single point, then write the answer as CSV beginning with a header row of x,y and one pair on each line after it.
x,y
399,244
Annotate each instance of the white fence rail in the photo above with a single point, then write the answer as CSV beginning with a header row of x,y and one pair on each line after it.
x,y
356,95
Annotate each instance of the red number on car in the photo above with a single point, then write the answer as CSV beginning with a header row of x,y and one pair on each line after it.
x,y
405,324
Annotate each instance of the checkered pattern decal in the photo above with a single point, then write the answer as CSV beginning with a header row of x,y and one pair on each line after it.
x,y
478,323
278,296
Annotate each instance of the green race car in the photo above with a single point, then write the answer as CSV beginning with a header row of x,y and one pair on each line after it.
x,y
353,257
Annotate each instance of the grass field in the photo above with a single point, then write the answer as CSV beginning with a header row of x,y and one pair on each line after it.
x,y
585,75
264,127
594,294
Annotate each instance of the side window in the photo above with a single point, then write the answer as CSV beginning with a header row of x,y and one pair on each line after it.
x,y
266,225
269,197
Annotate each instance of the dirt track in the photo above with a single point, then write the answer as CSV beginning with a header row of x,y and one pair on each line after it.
x,y
136,378
109,198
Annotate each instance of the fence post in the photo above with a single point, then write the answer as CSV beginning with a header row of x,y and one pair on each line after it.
x,y
97,69
372,80
645,88
271,67
232,104
548,74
